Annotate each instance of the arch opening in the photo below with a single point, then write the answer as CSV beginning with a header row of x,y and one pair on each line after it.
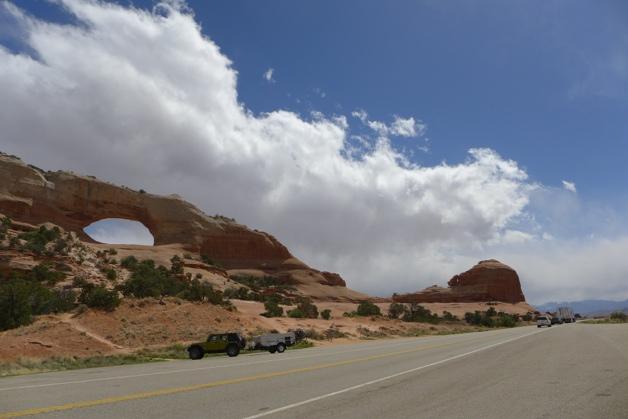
x,y
119,231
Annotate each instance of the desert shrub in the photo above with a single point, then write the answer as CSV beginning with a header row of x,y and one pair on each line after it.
x,y
395,310
44,273
619,316
176,265
313,334
111,274
447,316
420,314
296,313
201,291
99,297
326,314
37,240
272,308
305,306
147,280
15,309
334,333
112,251
129,262
482,319
367,308
5,225
6,222
21,297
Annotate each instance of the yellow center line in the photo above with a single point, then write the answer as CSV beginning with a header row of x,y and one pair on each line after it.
x,y
184,389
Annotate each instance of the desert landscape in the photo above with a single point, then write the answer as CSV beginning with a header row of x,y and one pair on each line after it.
x,y
204,274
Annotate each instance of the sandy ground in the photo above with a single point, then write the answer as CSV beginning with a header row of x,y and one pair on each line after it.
x,y
138,324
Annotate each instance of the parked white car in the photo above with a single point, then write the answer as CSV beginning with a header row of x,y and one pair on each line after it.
x,y
543,321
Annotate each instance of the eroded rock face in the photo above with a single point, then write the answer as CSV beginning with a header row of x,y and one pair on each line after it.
x,y
489,280
73,202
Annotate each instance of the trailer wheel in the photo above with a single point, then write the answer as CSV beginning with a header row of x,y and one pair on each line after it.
x,y
272,349
281,348
233,350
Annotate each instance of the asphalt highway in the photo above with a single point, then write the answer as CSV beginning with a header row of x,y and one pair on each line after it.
x,y
567,371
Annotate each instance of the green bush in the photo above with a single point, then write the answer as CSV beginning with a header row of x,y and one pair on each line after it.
x,y
326,314
37,240
420,314
129,262
367,308
111,274
447,316
272,308
176,266
619,316
305,306
296,313
483,319
395,310
44,273
21,297
99,297
15,307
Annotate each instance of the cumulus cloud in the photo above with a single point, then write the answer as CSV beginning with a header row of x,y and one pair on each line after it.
x,y
400,127
570,186
268,75
155,106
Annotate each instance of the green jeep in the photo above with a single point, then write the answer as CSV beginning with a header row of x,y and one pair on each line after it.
x,y
231,343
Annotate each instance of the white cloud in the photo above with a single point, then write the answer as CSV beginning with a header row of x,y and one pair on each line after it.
x,y
407,127
268,75
155,106
118,231
400,127
570,186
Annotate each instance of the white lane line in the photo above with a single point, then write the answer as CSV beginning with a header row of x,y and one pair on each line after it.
x,y
244,364
389,377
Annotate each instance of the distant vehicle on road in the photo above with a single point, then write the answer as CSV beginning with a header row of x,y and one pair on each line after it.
x,y
543,321
566,314
557,320
230,343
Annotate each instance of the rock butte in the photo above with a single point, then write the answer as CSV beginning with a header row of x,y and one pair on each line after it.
x,y
489,280
73,202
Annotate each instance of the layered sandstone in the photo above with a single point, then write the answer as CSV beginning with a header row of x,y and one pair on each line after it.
x,y
73,202
489,280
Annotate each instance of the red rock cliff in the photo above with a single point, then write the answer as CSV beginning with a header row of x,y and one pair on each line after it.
x,y
73,202
489,280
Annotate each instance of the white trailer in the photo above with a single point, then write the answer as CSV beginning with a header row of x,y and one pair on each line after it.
x,y
566,314
274,342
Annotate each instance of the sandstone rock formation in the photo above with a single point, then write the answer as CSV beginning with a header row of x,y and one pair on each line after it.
x,y
73,202
489,280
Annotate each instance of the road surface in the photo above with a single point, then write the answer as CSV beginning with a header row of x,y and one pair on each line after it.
x,y
567,371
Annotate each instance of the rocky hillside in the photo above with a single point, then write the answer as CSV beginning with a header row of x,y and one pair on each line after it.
x,y
489,280
217,245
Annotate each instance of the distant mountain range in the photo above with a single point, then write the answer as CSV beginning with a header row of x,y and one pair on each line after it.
x,y
587,307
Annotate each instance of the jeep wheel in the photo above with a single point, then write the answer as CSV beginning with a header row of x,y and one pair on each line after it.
x,y
272,349
281,347
195,352
233,350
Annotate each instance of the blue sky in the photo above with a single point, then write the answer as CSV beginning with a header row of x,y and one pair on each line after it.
x,y
533,80
542,83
